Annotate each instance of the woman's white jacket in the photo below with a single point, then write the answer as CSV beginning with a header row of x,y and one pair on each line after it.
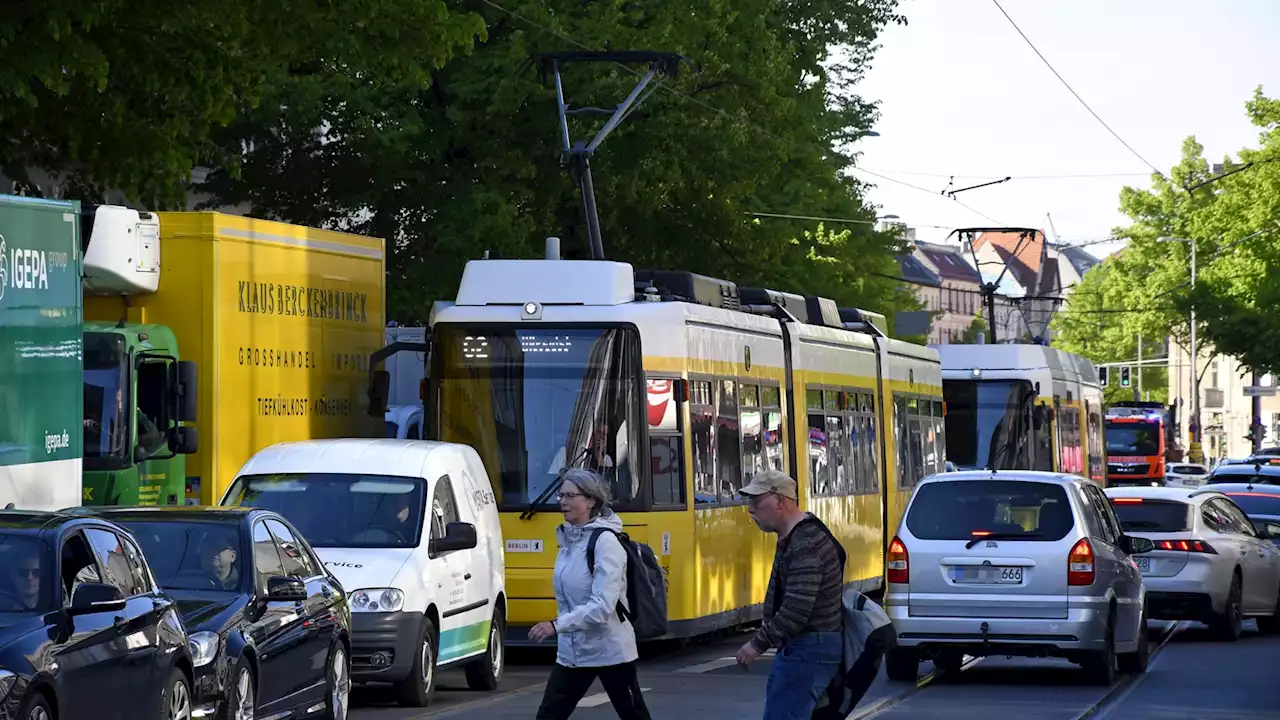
x,y
588,630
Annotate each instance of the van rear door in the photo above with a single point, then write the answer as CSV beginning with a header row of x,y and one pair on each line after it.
x,y
989,549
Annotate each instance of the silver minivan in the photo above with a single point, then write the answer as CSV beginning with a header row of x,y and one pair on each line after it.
x,y
1014,562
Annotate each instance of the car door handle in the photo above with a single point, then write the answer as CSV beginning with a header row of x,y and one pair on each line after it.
x,y
467,576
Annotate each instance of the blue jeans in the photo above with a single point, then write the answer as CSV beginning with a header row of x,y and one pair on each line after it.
x,y
801,673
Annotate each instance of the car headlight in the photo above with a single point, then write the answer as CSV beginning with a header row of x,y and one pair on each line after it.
x,y
204,648
377,600
7,679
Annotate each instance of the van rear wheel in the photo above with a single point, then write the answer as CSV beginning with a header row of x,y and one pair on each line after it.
x,y
486,672
418,689
902,665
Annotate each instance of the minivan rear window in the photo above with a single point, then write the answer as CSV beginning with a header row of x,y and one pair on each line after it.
x,y
964,509
1143,515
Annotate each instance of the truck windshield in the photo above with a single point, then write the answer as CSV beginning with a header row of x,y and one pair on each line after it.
x,y
106,389
1138,439
982,417
532,401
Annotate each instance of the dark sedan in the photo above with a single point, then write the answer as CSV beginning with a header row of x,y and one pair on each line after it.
x,y
84,631
270,627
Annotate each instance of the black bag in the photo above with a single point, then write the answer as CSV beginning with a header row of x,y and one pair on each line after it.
x,y
867,636
646,586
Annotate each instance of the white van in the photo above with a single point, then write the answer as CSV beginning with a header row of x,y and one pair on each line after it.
x,y
411,531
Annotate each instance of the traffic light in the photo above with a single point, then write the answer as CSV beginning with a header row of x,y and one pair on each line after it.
x,y
1102,376
1124,377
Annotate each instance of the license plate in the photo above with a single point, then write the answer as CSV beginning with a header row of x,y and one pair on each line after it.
x,y
1144,563
987,575
1190,482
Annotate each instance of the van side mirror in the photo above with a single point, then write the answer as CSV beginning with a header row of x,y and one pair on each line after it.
x,y
1137,545
184,382
457,536
95,598
184,440
379,392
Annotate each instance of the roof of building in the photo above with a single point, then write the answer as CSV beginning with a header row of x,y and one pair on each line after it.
x,y
949,262
1081,260
917,272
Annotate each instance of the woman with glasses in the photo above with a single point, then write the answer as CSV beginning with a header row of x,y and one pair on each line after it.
x,y
592,640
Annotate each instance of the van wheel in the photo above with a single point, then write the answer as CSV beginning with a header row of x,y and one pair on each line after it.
x,y
417,689
902,665
1226,627
486,673
1100,665
949,661
1135,663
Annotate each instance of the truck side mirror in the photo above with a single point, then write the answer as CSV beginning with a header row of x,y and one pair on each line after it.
x,y
379,392
184,440
185,382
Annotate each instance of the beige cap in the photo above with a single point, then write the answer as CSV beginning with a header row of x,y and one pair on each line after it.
x,y
771,481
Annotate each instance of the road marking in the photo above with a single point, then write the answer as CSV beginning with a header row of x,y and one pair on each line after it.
x,y
716,664
600,698
1121,690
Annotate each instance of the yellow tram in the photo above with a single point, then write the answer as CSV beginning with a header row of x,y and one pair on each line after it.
x,y
678,388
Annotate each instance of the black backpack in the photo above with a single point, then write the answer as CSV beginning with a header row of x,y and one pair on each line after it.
x,y
646,586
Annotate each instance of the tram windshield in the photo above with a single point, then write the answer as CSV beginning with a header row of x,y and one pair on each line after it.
x,y
534,400
989,423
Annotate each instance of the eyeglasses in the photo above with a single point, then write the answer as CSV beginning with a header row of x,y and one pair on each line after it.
x,y
568,495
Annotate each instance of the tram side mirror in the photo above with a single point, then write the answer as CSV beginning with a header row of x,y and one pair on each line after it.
x,y
183,390
379,391
184,440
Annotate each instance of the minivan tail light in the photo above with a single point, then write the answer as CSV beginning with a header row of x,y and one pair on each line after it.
x,y
898,565
1080,563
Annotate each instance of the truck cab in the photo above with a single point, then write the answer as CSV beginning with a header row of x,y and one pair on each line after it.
x,y
137,392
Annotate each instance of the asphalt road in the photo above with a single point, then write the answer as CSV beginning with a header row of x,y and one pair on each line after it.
x,y
1190,678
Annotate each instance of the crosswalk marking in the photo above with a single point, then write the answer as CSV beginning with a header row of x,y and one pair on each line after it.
x,y
716,664
600,699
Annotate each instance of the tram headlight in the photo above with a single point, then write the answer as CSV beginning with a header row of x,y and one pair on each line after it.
x,y
531,311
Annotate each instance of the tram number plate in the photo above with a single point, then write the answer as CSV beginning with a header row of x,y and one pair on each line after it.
x,y
1144,563
987,575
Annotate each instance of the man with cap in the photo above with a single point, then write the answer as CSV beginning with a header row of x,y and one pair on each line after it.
x,y
802,605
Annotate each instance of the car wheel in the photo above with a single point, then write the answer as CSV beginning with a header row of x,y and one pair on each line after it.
x,y
1135,663
175,700
417,689
1270,625
337,677
486,673
243,696
36,707
902,665
1226,627
949,661
1101,664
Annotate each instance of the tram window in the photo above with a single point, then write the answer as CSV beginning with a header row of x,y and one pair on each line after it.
x,y
837,467
818,467
750,396
900,434
701,420
1095,443
830,400
728,442
770,397
773,438
813,399
666,446
752,443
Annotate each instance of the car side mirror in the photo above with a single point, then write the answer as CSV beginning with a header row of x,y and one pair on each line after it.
x,y
457,536
1138,545
1268,530
280,588
90,598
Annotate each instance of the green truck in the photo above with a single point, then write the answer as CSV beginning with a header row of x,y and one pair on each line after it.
x,y
71,392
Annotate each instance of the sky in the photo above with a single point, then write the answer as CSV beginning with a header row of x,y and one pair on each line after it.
x,y
962,94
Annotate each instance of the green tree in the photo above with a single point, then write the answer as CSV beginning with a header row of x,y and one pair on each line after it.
x,y
120,95
471,161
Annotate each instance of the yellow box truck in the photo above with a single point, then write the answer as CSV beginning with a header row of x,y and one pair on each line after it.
x,y
279,320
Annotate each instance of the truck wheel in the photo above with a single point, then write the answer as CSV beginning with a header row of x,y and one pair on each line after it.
x,y
486,673
902,665
418,689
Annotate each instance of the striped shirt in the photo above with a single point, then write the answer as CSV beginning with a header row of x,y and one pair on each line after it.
x,y
808,566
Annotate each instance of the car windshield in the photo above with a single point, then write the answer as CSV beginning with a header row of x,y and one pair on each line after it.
x,y
1143,515
1133,439
1261,504
26,581
965,509
191,554
340,510
534,401
983,417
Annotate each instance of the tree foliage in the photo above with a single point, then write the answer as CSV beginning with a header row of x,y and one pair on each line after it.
x,y
1145,289
127,95
471,161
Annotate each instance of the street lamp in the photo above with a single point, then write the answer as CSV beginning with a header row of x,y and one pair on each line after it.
x,y
1195,357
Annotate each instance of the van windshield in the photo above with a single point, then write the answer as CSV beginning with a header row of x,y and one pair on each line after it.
x,y
340,510
965,509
